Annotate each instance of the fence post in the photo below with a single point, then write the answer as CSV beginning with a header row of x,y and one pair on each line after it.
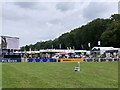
x,y
99,60
113,59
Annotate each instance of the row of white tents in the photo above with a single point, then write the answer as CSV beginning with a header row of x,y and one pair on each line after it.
x,y
53,51
101,49
104,49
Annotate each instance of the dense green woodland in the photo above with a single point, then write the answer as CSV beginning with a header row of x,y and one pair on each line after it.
x,y
105,30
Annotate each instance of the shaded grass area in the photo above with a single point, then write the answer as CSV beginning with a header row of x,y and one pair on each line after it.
x,y
60,75
0,76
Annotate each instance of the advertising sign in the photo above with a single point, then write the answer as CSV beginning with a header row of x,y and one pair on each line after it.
x,y
10,59
71,59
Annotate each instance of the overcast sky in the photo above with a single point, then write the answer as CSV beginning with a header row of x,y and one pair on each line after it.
x,y
40,21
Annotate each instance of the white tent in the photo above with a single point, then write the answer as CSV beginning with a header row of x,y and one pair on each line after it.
x,y
103,49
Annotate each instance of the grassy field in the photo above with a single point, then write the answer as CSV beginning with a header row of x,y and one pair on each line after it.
x,y
0,76
60,75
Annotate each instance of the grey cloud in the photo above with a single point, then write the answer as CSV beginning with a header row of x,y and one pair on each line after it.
x,y
65,6
55,21
12,12
25,4
97,10
48,20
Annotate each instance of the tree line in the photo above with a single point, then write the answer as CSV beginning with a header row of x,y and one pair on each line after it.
x,y
107,31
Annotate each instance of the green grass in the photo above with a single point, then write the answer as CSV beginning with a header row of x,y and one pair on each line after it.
x,y
60,75
0,76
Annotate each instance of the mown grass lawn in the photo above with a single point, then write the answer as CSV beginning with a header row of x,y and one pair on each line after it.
x,y
0,76
60,75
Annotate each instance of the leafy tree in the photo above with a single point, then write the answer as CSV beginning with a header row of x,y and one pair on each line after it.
x,y
105,30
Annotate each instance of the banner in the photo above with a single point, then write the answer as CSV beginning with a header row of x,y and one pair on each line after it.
x,y
71,60
10,59
40,60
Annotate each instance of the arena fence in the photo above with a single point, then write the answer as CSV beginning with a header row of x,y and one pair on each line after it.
x,y
62,60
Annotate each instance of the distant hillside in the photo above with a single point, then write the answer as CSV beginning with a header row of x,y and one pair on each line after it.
x,y
105,30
